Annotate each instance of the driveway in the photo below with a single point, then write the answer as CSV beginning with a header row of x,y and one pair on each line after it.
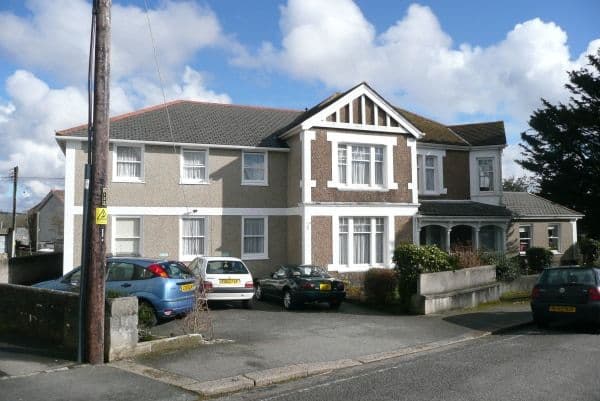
x,y
267,337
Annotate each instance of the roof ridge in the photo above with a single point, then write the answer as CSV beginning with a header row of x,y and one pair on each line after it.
x,y
479,123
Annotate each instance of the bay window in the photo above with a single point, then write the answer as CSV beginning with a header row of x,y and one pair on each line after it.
x,y
361,241
361,165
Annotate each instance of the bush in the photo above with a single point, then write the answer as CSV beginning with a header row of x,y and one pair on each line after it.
x,y
590,251
466,257
380,286
508,269
538,259
412,260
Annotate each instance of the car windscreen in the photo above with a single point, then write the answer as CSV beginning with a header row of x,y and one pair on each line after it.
x,y
308,271
177,270
568,277
225,267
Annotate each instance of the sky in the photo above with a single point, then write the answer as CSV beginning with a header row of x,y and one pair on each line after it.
x,y
454,61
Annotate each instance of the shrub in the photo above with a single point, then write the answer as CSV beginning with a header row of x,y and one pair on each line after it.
x,y
412,260
590,251
380,286
465,257
508,269
538,259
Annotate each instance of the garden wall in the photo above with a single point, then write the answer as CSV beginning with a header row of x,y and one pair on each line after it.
x,y
27,270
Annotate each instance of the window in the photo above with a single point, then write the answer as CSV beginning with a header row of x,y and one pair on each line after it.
x,y
127,236
524,238
128,163
553,237
194,167
486,174
430,165
361,241
366,164
254,238
430,172
193,234
254,168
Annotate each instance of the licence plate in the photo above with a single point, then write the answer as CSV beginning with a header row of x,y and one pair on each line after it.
x,y
186,287
325,287
229,281
563,309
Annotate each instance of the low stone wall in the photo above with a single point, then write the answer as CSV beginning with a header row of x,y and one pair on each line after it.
x,y
521,284
464,288
39,317
120,328
27,270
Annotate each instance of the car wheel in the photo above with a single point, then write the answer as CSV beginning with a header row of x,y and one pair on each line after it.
x,y
335,305
146,315
247,304
258,294
288,300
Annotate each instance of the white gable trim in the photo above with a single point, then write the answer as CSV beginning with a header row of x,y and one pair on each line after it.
x,y
360,91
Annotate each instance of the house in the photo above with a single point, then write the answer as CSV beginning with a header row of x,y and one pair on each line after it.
x,y
338,185
46,220
538,222
21,232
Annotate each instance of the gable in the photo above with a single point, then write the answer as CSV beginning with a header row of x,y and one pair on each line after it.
x,y
360,108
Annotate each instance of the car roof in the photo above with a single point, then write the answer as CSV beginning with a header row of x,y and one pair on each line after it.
x,y
138,260
210,258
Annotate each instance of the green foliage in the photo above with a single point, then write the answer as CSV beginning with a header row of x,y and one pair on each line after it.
x,y
538,259
518,184
563,147
590,251
115,294
412,260
507,268
380,286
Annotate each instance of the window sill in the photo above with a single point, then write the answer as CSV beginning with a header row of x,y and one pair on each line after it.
x,y
128,180
355,188
193,182
255,183
253,256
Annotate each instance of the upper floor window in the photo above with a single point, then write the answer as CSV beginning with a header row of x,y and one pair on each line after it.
x,y
254,168
361,165
128,164
194,166
486,173
553,237
429,172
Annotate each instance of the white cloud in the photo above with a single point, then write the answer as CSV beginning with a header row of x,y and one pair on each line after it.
x,y
509,166
415,63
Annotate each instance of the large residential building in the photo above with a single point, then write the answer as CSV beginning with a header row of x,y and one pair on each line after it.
x,y
339,185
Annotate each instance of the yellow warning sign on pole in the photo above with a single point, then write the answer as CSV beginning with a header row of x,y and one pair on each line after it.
x,y
101,216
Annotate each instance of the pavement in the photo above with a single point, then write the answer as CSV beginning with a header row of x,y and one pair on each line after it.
x,y
267,345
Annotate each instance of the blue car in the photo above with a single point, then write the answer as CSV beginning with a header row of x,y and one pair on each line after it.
x,y
167,287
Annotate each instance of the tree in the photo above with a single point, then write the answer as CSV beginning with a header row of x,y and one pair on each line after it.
x,y
518,184
563,147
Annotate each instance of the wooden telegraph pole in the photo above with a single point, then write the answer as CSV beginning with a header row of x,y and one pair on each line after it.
x,y
95,258
13,240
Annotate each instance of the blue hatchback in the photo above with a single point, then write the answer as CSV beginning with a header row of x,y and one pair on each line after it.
x,y
165,286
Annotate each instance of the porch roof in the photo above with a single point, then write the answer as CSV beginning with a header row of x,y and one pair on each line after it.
x,y
451,208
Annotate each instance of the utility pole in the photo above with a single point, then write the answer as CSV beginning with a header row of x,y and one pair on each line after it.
x,y
14,214
95,260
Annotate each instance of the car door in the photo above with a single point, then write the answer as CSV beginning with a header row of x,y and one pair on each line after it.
x,y
269,284
280,279
120,277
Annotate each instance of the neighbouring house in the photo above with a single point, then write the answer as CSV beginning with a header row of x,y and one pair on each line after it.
x,y
21,232
339,185
538,222
46,221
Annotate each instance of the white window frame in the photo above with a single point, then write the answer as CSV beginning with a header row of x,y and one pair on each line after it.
x,y
117,178
438,173
256,256
557,237
373,244
113,244
265,180
201,181
530,238
493,181
372,141
185,257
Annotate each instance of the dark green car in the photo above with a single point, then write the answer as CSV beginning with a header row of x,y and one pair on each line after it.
x,y
299,284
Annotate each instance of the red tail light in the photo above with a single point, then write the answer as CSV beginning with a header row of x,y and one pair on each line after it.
x,y
535,293
308,285
158,270
208,286
249,284
594,294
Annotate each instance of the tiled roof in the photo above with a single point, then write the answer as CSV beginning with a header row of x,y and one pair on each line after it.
x,y
523,204
434,132
199,122
482,134
461,209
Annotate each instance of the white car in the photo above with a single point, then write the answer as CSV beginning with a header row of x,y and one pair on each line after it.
x,y
225,279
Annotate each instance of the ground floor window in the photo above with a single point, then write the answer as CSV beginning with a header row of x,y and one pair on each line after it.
x,y
553,237
193,235
127,236
361,240
524,238
254,238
